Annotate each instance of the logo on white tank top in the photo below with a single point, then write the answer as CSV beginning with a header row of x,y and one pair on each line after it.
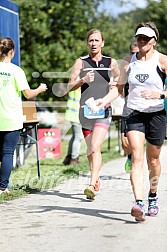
x,y
142,77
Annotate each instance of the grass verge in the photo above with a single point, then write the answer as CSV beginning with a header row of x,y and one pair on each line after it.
x,y
24,179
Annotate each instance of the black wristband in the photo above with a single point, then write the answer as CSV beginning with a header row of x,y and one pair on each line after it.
x,y
162,96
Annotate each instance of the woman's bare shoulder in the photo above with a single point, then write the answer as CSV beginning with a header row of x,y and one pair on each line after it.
x,y
163,61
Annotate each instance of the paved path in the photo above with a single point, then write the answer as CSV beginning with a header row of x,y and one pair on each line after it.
x,y
62,220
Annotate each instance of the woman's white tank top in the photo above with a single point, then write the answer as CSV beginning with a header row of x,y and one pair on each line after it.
x,y
144,75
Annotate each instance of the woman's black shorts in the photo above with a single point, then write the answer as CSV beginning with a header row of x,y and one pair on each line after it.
x,y
153,125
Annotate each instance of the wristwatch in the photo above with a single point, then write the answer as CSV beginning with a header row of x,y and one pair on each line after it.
x,y
162,96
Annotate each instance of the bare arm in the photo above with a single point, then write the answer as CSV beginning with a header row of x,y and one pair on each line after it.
x,y
163,62
149,94
123,78
112,94
74,82
115,70
30,93
116,87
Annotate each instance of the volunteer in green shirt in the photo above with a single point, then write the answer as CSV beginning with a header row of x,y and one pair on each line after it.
x,y
13,83
72,115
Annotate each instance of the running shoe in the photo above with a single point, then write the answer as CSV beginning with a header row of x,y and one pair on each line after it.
x,y
128,165
98,185
138,211
153,208
90,192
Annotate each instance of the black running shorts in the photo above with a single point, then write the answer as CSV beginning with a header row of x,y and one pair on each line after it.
x,y
153,125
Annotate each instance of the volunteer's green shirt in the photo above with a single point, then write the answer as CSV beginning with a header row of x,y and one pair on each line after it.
x,y
12,82
73,105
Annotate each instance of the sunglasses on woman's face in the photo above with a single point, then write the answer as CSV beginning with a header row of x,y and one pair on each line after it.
x,y
143,37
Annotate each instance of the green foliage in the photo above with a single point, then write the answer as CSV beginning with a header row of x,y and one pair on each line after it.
x,y
52,37
53,34
156,12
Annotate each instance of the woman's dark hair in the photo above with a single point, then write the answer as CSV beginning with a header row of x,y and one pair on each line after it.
x,y
150,25
6,44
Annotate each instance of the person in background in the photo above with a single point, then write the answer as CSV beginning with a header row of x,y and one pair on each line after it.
x,y
145,115
12,83
96,74
72,115
125,144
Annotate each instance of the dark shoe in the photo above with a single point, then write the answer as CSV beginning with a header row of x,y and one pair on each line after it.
x,y
67,160
153,209
74,161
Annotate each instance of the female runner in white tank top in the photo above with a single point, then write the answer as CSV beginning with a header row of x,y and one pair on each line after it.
x,y
144,114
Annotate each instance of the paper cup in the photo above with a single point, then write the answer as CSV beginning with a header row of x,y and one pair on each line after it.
x,y
42,84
